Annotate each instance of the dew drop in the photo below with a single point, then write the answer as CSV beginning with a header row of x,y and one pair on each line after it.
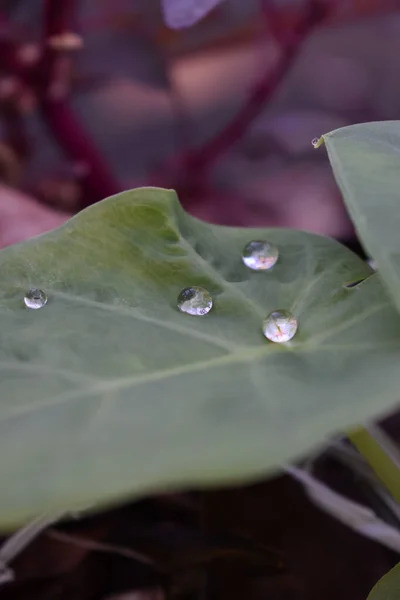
x,y
35,299
195,301
280,326
260,255
315,142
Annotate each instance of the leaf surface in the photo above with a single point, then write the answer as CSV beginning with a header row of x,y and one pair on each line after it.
x,y
366,162
110,392
388,587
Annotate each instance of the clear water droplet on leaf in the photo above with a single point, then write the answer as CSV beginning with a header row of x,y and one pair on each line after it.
x,y
260,255
280,326
315,142
195,301
35,299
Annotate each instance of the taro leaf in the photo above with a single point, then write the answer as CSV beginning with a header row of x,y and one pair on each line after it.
x,y
388,587
366,162
109,392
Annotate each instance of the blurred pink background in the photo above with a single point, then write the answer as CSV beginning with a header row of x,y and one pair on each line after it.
x,y
144,97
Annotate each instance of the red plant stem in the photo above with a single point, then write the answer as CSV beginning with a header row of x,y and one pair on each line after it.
x,y
278,23
207,154
8,57
49,80
59,16
52,84
97,181
15,131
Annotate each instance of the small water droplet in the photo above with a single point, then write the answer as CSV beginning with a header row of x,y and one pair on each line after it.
x,y
35,299
260,255
195,301
315,142
280,326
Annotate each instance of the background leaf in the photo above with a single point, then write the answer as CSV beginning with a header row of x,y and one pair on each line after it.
x,y
388,587
109,391
366,162
184,13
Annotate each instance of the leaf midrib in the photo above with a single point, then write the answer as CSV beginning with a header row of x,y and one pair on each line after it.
x,y
118,384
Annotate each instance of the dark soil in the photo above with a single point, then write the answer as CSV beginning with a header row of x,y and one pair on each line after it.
x,y
256,542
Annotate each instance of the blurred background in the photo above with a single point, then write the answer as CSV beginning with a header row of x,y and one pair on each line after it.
x,y
98,96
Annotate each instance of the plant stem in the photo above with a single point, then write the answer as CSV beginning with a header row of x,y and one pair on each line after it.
x,y
263,90
15,544
381,454
49,81
57,113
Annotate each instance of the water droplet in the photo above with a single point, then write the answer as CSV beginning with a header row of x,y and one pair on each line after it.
x,y
35,299
195,301
315,142
260,255
280,326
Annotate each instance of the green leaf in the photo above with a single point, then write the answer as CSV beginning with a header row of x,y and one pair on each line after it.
x,y
110,392
388,587
366,162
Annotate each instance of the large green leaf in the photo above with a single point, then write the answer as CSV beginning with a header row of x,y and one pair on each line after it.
x,y
388,587
109,391
366,162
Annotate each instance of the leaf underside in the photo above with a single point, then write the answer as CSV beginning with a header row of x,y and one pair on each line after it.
x,y
109,392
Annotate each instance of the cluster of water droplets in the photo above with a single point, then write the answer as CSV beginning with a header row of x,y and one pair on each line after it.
x,y
258,255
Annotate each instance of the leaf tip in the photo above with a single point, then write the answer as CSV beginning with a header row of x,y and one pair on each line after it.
x,y
317,142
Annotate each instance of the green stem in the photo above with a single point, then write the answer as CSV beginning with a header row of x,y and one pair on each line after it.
x,y
381,454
